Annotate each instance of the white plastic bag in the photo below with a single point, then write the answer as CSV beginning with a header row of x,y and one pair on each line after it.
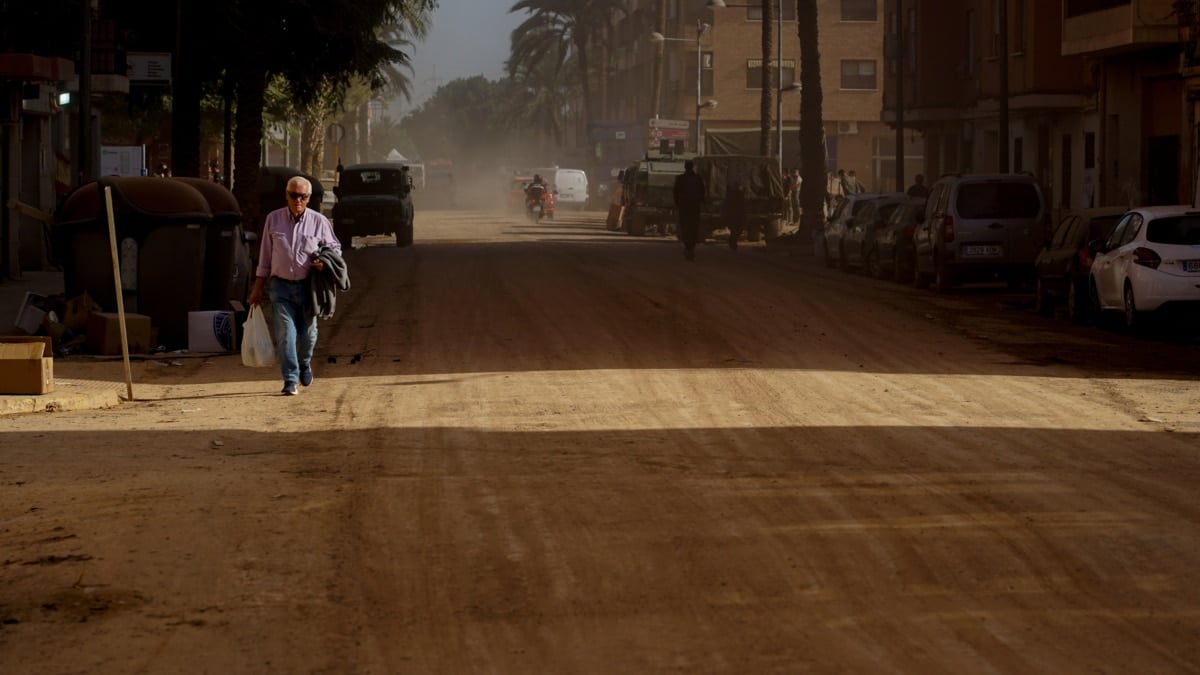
x,y
258,349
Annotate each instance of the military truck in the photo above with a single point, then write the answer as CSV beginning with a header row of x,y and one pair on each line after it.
x,y
374,198
763,185
648,196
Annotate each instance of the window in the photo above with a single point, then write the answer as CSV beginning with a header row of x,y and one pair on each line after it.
x,y
754,73
970,42
996,27
910,45
706,74
998,200
860,10
789,11
1077,7
1016,42
1180,230
891,42
858,75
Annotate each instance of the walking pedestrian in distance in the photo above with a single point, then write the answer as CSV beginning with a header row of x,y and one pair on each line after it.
x,y
855,185
292,239
689,195
918,190
794,197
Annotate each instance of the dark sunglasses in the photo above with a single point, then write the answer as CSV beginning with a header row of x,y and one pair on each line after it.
x,y
298,196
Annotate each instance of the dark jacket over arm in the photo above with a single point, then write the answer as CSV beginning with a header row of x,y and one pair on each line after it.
x,y
326,284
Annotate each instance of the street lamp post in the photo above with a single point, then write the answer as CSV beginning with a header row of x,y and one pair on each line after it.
x,y
721,4
701,29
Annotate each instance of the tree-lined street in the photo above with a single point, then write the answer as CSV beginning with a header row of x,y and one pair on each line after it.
x,y
552,448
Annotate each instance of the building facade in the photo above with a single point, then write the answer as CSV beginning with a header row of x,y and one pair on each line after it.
x,y
648,79
1088,95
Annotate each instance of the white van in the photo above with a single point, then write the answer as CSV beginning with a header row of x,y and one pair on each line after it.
x,y
571,184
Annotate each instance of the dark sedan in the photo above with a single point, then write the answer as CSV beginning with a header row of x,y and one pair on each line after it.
x,y
1062,266
893,253
858,242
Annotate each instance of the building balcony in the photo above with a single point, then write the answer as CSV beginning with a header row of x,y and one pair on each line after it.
x,y
1094,27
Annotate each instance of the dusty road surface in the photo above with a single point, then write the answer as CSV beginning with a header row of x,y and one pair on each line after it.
x,y
554,449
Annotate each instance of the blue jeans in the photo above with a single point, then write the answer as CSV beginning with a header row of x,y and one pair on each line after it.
x,y
295,326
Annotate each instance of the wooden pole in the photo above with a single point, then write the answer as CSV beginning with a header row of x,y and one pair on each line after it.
x,y
116,266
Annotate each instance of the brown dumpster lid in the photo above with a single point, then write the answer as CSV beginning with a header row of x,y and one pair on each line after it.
x,y
221,202
139,197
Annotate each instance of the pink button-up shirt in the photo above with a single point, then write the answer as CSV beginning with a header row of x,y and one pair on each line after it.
x,y
288,245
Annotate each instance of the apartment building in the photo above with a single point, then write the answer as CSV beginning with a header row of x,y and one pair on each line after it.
x,y
727,58
1088,95
1141,54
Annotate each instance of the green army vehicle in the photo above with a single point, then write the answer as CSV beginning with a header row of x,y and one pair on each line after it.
x,y
763,186
648,197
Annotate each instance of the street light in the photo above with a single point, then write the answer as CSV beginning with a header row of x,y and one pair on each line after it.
x,y
721,4
701,29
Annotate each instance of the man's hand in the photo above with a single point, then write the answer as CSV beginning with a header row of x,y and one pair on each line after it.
x,y
256,293
319,264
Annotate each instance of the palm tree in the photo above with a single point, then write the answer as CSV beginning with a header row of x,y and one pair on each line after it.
x,y
541,106
812,133
768,45
560,30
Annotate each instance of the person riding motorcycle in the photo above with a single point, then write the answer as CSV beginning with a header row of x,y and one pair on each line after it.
x,y
534,193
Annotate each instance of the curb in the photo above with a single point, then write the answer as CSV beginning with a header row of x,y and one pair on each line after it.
x,y
90,396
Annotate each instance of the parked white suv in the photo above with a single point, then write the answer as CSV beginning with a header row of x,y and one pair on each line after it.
x,y
980,227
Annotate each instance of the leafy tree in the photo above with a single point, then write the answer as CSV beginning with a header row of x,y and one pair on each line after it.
x,y
314,46
560,30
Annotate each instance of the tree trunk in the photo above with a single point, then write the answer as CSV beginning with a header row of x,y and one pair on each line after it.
x,y
247,145
812,126
362,139
312,145
185,97
584,80
769,9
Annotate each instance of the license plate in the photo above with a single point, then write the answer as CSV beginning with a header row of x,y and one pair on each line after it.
x,y
983,251
1191,265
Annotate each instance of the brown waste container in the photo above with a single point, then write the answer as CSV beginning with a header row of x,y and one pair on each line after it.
x,y
228,260
161,226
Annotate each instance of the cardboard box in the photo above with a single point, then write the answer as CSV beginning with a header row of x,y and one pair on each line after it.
x,y
26,365
31,316
104,333
212,331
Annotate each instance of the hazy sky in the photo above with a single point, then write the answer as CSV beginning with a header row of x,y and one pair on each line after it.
x,y
468,37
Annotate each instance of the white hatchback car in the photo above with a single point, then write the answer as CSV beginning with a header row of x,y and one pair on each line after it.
x,y
1150,260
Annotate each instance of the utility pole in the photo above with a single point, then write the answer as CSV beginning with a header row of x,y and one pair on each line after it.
x,y
83,150
1002,20
900,48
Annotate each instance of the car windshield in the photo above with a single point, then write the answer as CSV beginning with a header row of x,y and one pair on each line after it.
x,y
1175,230
998,200
371,182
